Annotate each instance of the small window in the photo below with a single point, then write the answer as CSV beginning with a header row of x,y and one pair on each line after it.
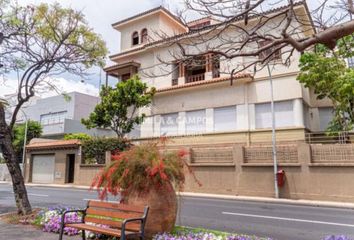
x,y
169,124
225,119
283,111
135,38
144,35
195,122
53,118
276,54
326,115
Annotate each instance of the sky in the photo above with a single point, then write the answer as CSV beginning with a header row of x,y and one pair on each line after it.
x,y
100,14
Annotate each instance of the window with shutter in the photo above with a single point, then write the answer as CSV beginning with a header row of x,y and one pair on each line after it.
x,y
169,124
284,114
276,53
225,119
195,122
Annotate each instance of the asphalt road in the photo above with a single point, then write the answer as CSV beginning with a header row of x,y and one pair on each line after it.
x,y
278,221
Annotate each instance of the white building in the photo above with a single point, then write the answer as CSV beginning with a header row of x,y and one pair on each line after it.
x,y
199,100
61,115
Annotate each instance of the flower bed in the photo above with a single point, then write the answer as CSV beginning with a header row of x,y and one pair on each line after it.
x,y
186,233
49,220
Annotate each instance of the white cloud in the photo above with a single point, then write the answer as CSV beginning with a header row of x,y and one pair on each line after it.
x,y
100,14
62,85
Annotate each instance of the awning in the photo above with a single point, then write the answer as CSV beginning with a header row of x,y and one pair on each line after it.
x,y
122,68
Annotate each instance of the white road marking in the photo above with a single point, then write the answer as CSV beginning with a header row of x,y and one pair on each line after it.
x,y
37,195
288,219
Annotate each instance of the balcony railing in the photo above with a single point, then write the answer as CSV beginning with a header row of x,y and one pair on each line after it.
x,y
195,78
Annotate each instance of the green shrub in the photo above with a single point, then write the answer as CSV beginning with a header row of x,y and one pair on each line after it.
x,y
94,150
78,136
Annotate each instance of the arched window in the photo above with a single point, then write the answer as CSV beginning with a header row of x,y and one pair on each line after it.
x,y
135,38
144,35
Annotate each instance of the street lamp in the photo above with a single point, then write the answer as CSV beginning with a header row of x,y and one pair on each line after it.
x,y
1,40
274,150
24,144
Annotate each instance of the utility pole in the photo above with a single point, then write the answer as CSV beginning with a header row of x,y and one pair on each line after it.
x,y
24,145
24,148
274,149
1,40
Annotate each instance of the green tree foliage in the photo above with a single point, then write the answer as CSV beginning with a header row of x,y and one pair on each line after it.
x,y
119,106
40,41
94,149
326,72
78,136
49,40
34,130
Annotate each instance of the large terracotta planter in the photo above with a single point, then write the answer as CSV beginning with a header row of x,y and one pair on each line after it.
x,y
163,208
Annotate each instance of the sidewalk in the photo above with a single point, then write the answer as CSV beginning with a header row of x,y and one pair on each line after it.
x,y
302,202
26,232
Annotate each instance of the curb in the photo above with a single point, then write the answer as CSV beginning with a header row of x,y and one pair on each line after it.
x,y
51,185
301,202
58,186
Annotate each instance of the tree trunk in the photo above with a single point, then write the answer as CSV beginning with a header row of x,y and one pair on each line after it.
x,y
7,149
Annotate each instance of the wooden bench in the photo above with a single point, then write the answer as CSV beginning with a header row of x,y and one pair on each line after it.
x,y
123,220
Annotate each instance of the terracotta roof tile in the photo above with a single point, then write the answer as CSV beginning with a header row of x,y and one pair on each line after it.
x,y
204,82
147,12
53,144
167,39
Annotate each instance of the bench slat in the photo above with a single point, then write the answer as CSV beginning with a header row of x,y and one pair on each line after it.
x,y
129,226
111,214
119,206
107,231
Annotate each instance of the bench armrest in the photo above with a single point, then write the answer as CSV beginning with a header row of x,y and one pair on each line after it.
x,y
71,211
141,220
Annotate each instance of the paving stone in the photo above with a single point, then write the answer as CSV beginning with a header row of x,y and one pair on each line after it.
x,y
26,232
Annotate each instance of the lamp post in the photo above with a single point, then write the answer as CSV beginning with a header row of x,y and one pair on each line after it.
x,y
24,144
1,40
274,150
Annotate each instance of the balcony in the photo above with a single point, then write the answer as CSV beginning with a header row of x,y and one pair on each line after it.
x,y
195,78
200,68
122,71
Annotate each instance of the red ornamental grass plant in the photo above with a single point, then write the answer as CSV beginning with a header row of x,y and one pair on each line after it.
x,y
141,168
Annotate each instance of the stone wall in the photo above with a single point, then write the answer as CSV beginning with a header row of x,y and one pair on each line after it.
x,y
312,171
83,173
4,173
316,172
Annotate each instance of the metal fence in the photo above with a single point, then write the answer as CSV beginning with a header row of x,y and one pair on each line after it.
x,y
330,138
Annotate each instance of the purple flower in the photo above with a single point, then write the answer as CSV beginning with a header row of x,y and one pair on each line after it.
x,y
51,220
203,236
338,237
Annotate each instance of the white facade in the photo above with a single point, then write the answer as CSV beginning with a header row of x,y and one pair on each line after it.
x,y
61,115
181,107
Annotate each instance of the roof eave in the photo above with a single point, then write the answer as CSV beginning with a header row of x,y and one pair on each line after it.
x,y
242,78
140,49
161,9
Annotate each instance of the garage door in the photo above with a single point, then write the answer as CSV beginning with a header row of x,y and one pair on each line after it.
x,y
43,169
